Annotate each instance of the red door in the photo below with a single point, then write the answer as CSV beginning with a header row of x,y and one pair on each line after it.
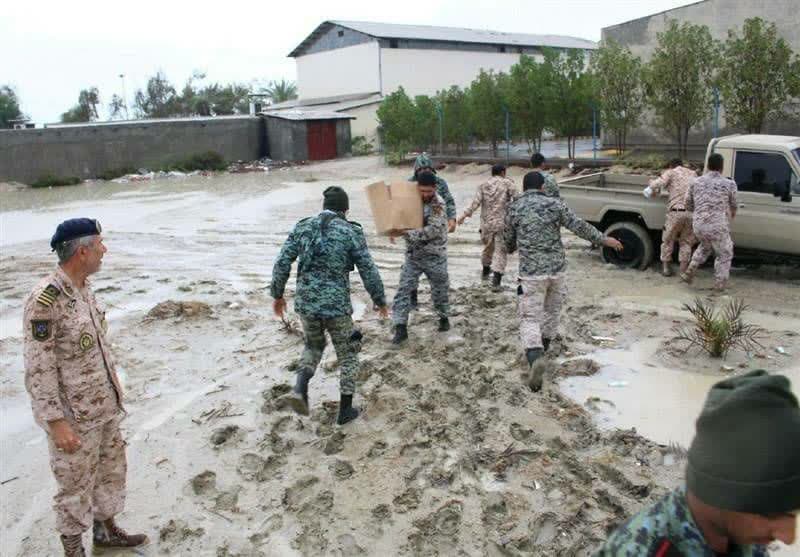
x,y
321,139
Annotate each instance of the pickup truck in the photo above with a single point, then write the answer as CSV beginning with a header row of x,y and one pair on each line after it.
x,y
766,169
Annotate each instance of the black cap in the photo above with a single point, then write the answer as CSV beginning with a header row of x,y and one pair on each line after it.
x,y
75,228
426,178
335,199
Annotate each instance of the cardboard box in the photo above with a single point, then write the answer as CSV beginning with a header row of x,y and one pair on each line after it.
x,y
395,206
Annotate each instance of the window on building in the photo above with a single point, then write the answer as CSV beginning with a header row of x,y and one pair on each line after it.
x,y
767,173
341,33
502,49
392,43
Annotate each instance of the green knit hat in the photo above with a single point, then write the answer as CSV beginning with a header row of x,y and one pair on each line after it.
x,y
423,161
745,456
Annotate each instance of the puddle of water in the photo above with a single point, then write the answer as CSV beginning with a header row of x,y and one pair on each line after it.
x,y
661,403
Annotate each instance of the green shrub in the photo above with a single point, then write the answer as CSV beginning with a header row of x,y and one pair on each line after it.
x,y
50,180
210,160
360,146
396,156
116,173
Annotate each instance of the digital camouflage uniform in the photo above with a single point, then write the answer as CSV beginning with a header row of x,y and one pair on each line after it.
x,y
426,252
667,529
442,189
493,197
678,224
327,248
712,198
70,374
533,225
550,187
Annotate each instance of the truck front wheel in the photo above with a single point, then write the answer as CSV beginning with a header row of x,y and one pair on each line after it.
x,y
638,252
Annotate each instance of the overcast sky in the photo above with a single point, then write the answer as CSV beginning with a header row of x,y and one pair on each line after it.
x,y
53,49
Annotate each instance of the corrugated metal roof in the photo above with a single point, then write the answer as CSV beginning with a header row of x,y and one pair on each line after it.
x,y
301,114
447,34
336,104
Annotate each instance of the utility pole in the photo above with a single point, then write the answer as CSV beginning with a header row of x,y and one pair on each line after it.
x,y
715,123
508,135
594,132
440,113
124,98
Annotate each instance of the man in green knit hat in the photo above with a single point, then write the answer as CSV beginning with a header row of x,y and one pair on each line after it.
x,y
742,479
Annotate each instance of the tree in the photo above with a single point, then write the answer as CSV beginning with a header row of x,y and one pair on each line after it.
x,y
679,78
86,109
572,96
280,91
230,99
756,75
116,108
158,100
487,104
619,88
396,116
456,117
426,122
9,106
529,99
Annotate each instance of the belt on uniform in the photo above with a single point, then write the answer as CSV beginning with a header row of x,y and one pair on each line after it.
x,y
679,210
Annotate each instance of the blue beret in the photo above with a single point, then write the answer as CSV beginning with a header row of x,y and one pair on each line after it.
x,y
74,228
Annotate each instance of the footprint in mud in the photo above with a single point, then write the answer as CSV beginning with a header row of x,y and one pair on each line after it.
x,y
382,512
407,500
543,529
377,449
253,467
348,546
274,397
222,435
441,478
522,434
268,527
335,443
495,510
228,500
204,483
342,469
579,366
298,492
439,530
177,531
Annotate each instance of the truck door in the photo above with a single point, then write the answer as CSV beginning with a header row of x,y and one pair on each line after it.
x,y
769,202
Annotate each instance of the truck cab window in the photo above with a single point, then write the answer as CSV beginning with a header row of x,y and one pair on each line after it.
x,y
767,173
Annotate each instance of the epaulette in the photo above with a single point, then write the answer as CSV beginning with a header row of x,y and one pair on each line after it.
x,y
356,224
48,295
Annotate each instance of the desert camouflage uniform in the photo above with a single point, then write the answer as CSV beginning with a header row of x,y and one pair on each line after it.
x,y
533,224
712,198
667,529
70,375
678,225
493,197
426,252
442,189
550,184
327,247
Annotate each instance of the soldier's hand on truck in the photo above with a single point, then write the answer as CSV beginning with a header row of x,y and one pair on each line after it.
x,y
613,243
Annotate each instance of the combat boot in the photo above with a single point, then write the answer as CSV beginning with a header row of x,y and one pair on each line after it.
x,y
684,266
298,398
688,275
486,272
666,269
720,285
497,278
73,545
546,343
400,334
444,324
108,534
346,411
537,369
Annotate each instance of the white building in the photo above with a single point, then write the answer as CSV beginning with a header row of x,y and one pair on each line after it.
x,y
349,66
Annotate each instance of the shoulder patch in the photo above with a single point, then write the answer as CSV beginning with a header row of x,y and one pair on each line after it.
x,y
40,329
48,295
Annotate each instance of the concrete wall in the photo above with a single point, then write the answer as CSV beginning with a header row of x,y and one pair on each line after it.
x,y
640,36
344,71
86,151
343,138
366,122
287,139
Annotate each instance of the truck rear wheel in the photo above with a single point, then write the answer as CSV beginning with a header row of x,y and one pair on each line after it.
x,y
639,249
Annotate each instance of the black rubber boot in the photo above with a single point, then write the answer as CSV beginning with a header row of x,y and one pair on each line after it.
x,y
497,278
413,299
346,411
486,272
444,324
537,367
298,398
546,343
400,334
533,354
73,546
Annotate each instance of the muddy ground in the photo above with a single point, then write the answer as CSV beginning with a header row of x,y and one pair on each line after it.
x,y
454,455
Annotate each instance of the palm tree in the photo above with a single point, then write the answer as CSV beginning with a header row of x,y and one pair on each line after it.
x,y
280,91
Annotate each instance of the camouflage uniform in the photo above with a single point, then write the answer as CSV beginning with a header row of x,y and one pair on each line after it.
x,y
426,252
70,375
678,225
667,529
533,224
712,198
327,247
550,184
442,190
493,197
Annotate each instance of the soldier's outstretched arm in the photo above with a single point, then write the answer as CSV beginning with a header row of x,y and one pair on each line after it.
x,y
283,264
580,227
367,269
476,202
510,232
449,202
660,182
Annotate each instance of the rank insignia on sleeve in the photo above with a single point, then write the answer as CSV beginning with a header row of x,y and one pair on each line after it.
x,y
86,341
40,329
48,295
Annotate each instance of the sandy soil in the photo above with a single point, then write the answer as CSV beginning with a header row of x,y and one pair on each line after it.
x,y
454,454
